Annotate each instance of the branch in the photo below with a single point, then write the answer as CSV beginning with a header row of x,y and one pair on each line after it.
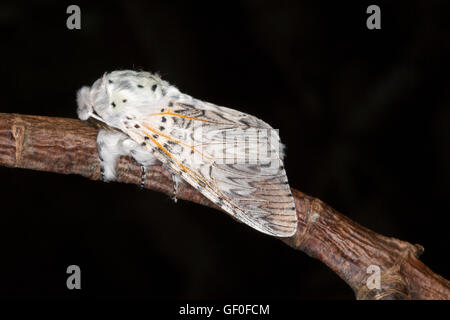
x,y
68,146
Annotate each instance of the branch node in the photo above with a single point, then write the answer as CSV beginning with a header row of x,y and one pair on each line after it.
x,y
418,250
393,287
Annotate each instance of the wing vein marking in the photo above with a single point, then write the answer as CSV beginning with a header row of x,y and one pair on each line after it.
x,y
174,140
169,113
187,170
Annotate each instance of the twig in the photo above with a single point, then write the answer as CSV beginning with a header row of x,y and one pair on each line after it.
x,y
68,146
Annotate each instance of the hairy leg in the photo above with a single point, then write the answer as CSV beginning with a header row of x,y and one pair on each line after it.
x,y
112,144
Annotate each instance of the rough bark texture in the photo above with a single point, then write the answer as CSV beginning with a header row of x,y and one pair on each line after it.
x,y
68,146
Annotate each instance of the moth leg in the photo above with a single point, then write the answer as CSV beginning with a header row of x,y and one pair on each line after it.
x,y
143,176
110,148
176,182
142,155
176,178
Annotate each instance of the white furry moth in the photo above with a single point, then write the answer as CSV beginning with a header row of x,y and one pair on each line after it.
x,y
232,158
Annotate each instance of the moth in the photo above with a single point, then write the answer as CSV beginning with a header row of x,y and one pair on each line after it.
x,y
232,158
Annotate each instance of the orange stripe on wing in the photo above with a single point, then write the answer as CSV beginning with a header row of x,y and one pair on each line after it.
x,y
170,155
174,140
190,170
170,113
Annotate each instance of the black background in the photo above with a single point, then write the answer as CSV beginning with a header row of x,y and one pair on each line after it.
x,y
364,114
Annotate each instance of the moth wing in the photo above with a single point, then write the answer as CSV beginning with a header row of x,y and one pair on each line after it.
x,y
189,138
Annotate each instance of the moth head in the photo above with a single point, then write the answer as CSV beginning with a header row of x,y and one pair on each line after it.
x,y
120,93
84,103
94,102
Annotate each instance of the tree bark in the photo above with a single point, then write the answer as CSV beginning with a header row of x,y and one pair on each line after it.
x,y
68,146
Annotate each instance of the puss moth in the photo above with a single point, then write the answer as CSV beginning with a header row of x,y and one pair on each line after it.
x,y
233,158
